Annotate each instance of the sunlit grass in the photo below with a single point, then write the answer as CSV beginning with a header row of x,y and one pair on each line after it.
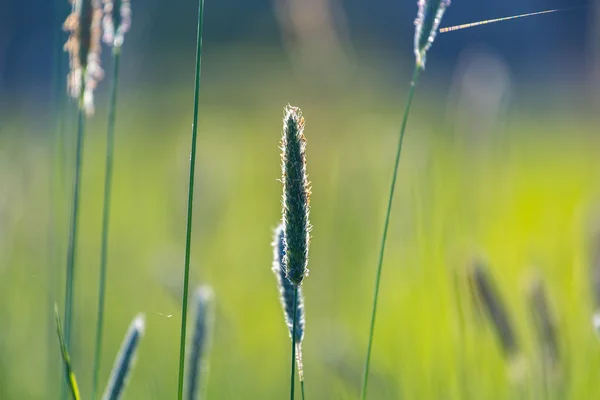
x,y
526,204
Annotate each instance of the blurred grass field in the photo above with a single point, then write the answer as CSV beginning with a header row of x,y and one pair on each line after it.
x,y
524,197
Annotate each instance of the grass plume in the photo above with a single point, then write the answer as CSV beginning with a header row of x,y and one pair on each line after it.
x,y
83,45
125,360
201,338
190,206
429,16
116,22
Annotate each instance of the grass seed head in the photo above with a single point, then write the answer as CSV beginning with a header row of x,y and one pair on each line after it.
x,y
296,196
125,360
429,17
286,296
83,45
487,297
544,322
286,288
116,21
197,357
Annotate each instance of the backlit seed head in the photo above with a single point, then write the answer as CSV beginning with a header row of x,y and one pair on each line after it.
x,y
116,21
296,196
286,295
83,45
429,17
286,288
125,360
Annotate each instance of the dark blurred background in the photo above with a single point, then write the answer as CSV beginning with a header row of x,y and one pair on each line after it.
x,y
556,46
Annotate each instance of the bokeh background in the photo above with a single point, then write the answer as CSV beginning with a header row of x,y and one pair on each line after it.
x,y
500,163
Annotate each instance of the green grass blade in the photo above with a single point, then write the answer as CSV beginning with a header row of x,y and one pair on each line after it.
x,y
57,200
188,237
411,93
69,374
106,216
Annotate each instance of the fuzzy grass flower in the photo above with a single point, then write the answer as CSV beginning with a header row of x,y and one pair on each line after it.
x,y
83,46
296,196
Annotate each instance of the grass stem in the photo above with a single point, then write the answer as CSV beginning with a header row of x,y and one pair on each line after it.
x,y
110,136
293,376
188,238
57,198
411,92
72,245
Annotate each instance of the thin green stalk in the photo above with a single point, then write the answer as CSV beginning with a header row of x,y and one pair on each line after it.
x,y
55,220
188,237
411,92
110,144
302,388
293,377
72,247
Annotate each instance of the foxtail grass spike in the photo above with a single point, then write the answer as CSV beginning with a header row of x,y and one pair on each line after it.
x,y
429,17
116,21
190,205
286,296
69,374
545,323
125,360
85,28
296,196
491,303
197,358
